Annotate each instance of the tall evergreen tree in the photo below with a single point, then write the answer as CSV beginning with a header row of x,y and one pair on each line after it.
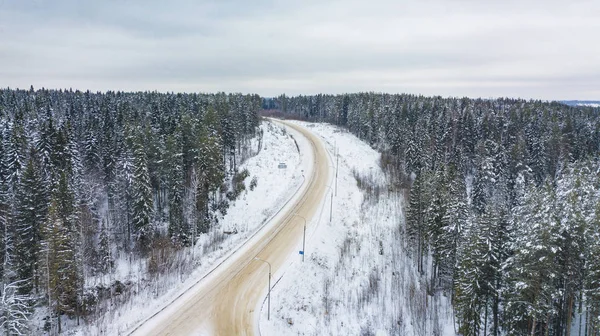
x,y
178,229
451,237
470,283
105,249
4,204
63,266
415,219
29,219
211,168
532,267
142,207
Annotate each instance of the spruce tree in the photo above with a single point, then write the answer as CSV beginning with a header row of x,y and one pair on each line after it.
x,y
63,266
437,219
29,220
415,220
532,267
470,286
175,183
211,168
451,237
105,250
142,207
15,157
4,204
123,199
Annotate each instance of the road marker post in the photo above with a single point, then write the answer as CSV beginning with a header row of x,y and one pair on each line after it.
x,y
269,295
303,236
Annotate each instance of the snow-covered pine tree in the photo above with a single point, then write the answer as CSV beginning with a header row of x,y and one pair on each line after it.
x,y
486,178
16,150
537,152
211,168
142,205
4,202
412,155
30,215
44,146
437,219
105,249
573,193
415,220
64,275
452,233
178,231
530,289
478,272
469,285
90,150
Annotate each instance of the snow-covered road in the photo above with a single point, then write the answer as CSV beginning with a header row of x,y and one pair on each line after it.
x,y
223,303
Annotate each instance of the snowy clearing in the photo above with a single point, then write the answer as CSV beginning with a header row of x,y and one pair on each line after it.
x,y
357,277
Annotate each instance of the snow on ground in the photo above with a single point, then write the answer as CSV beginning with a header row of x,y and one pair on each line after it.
x,y
275,187
357,278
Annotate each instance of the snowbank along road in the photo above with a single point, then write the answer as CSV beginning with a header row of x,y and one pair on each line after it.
x,y
224,302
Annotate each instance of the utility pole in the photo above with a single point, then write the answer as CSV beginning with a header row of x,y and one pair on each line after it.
x,y
331,208
304,242
269,295
337,167
330,204
303,237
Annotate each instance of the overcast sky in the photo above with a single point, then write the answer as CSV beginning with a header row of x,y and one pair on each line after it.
x,y
532,49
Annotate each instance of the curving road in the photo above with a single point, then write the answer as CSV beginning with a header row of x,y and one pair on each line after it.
x,y
223,303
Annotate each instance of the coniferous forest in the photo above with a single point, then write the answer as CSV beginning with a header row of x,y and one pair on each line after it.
x,y
502,208
503,212
86,178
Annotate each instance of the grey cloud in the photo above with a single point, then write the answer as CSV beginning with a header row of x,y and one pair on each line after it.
x,y
459,47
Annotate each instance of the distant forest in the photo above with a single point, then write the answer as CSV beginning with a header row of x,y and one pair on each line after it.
x,y
87,178
504,208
